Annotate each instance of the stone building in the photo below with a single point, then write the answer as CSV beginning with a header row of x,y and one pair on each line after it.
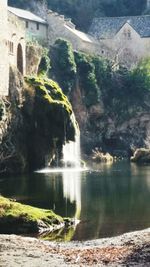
x,y
60,27
16,43
126,38
123,39
35,27
4,66
17,28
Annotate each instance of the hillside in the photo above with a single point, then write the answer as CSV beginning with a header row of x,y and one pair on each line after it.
x,y
83,11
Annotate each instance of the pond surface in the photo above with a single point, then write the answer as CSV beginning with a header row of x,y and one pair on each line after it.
x,y
109,200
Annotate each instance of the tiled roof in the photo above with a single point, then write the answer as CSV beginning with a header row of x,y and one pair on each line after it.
x,y
25,14
83,36
104,28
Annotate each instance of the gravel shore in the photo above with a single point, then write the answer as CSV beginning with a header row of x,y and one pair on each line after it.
x,y
131,249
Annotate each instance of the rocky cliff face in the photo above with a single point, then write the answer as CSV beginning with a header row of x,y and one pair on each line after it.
x,y
111,103
109,133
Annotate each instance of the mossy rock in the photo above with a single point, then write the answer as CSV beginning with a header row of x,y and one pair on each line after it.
x,y
52,106
99,156
50,91
16,218
50,116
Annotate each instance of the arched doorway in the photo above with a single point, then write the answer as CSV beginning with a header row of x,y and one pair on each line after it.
x,y
20,58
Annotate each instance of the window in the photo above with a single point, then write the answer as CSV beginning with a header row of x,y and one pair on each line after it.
x,y
20,58
11,47
27,24
127,34
37,26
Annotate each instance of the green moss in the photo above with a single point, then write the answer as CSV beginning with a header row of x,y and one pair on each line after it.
x,y
11,209
51,118
49,91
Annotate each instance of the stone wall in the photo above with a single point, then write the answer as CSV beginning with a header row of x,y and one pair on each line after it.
x,y
59,27
56,29
33,57
16,38
4,68
12,46
127,47
36,32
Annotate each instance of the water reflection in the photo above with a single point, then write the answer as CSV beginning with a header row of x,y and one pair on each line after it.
x,y
63,234
140,171
114,201
72,190
109,201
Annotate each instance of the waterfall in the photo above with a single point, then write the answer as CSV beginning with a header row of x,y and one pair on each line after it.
x,y
71,153
71,150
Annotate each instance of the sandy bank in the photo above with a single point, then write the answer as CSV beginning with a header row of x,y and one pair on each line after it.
x,y
131,249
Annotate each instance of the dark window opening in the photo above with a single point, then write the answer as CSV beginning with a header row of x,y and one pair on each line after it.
x,y
125,33
11,47
27,24
37,26
129,34
20,58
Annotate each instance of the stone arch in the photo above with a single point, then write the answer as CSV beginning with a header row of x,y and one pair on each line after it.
x,y
20,58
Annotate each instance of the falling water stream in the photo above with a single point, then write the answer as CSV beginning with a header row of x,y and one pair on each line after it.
x,y
71,153
71,150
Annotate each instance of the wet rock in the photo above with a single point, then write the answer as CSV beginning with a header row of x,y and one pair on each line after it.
x,y
141,155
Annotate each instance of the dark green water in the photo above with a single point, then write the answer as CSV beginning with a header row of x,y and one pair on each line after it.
x,y
111,201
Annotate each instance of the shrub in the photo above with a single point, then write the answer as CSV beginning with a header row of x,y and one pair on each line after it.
x,y
86,71
44,65
141,77
66,64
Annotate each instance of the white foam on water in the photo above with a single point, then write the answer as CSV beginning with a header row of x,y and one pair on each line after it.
x,y
61,170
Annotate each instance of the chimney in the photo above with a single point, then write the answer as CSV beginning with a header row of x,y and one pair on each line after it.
x,y
148,4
